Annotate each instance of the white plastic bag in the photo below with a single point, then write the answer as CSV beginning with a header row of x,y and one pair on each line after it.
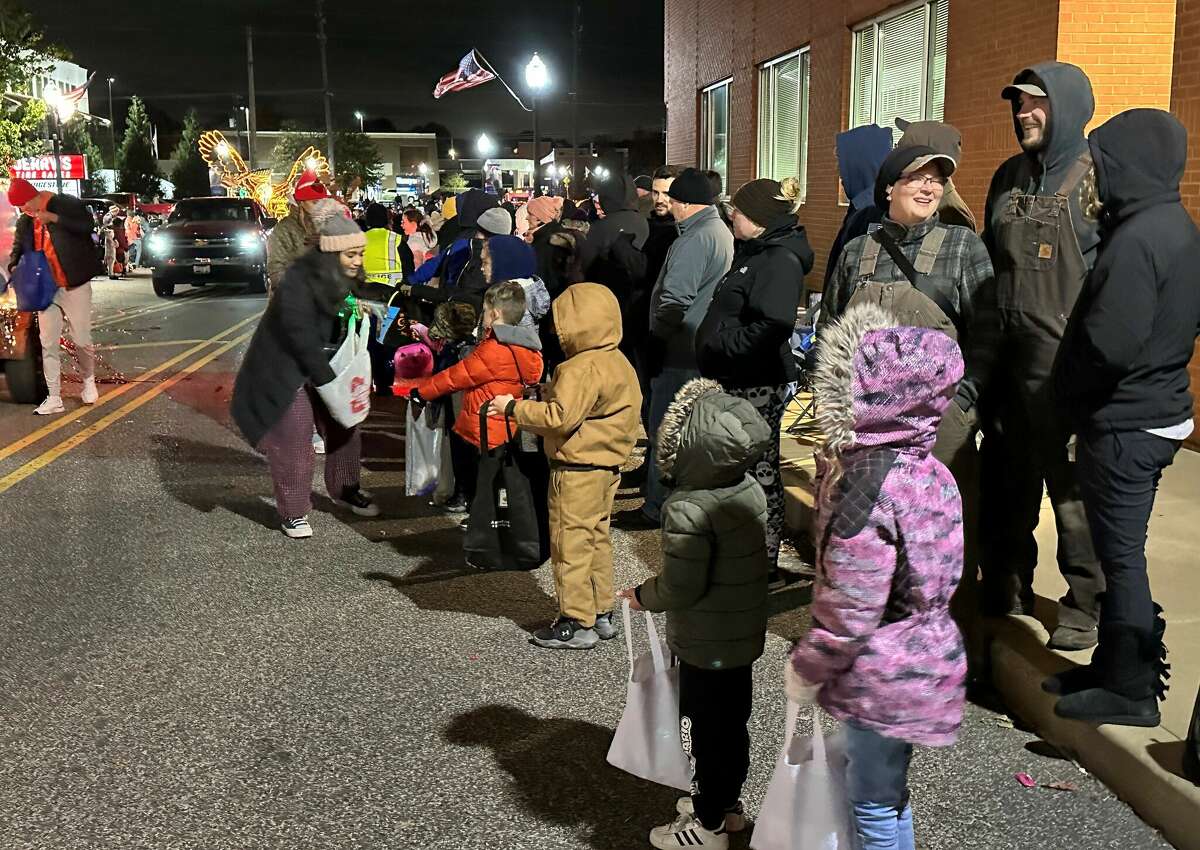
x,y
647,742
805,806
422,454
348,395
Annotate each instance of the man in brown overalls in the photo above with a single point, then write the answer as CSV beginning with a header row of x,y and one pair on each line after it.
x,y
1042,246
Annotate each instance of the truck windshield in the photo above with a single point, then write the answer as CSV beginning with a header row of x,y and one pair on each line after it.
x,y
211,211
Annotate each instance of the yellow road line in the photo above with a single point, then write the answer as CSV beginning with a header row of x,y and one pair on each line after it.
x,y
105,398
161,344
50,455
158,308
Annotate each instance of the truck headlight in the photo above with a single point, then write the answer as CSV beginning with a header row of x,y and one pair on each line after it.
x,y
249,242
157,243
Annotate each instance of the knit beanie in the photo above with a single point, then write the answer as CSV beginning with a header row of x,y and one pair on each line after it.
x,y
903,161
764,201
644,182
495,221
691,187
338,231
512,258
21,192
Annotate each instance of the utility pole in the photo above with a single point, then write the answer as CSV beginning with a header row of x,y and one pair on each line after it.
x,y
112,133
575,175
328,97
252,121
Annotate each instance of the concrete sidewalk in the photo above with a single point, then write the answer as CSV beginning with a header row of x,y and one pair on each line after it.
x,y
1142,766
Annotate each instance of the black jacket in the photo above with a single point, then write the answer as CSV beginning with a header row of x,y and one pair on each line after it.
x,y
1123,362
289,348
745,338
71,236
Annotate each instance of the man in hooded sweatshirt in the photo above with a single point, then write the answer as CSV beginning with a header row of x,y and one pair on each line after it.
x,y
612,252
1122,375
1042,246
860,152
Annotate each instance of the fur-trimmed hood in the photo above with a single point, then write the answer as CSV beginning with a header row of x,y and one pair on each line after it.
x,y
878,384
709,438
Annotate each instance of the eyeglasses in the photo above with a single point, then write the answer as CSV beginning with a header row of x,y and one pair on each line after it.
x,y
920,181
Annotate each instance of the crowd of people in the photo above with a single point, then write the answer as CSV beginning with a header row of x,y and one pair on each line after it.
x,y
956,374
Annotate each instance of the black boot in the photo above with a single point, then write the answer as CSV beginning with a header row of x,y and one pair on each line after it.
x,y
1130,685
1088,676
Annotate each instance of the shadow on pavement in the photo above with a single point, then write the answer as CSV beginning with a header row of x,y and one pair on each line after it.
x,y
442,582
560,776
204,476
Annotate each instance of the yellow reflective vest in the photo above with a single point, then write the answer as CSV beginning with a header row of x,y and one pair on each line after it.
x,y
381,260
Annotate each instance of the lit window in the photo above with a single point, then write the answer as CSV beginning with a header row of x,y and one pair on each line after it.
x,y
714,129
783,118
900,67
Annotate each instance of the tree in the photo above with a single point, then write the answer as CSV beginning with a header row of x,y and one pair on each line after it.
x,y
454,181
137,170
358,162
191,177
24,52
77,138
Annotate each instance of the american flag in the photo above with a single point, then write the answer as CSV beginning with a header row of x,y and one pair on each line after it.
x,y
467,75
75,95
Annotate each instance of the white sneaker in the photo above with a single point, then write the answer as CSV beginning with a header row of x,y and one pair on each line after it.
x,y
89,393
297,529
318,443
735,818
686,831
52,404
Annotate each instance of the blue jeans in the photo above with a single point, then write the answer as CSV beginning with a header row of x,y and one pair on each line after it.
x,y
877,785
662,392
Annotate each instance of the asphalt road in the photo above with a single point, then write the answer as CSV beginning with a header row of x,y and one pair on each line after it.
x,y
174,673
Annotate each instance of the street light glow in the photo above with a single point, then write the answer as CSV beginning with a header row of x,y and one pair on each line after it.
x,y
423,169
536,75
484,145
358,115
453,154
310,163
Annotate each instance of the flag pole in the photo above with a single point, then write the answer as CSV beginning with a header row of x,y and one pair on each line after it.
x,y
488,65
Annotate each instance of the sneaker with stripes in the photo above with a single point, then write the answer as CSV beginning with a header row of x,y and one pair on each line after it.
x,y
735,818
297,528
687,831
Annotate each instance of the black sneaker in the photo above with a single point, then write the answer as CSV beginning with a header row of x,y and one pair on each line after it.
x,y
358,501
634,520
604,627
565,633
457,505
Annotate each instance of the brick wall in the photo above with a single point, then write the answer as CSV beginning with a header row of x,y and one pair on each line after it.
x,y
1185,103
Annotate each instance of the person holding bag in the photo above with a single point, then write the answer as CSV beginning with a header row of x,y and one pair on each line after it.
x,y
276,398
883,654
713,586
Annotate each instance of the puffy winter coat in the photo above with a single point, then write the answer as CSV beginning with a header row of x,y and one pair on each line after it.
x,y
713,583
289,241
888,531
508,359
71,237
745,339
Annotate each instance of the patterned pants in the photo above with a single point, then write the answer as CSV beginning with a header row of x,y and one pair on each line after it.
x,y
770,403
289,450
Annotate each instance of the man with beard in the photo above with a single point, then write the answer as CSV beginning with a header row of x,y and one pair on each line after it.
x,y
1042,247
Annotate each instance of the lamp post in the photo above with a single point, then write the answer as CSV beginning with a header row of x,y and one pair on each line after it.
x,y
59,112
112,133
536,78
359,116
484,145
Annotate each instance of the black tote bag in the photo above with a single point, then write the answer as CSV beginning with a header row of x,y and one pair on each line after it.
x,y
508,528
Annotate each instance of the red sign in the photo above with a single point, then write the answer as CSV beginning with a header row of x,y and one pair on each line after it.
x,y
72,165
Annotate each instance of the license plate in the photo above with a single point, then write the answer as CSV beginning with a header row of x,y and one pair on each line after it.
x,y
201,269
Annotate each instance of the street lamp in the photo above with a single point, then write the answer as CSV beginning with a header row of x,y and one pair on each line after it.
x,y
422,169
60,111
536,78
359,116
484,145
453,154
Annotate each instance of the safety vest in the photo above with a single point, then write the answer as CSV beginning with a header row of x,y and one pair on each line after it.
x,y
381,260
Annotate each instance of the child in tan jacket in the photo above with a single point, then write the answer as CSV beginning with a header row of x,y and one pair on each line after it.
x,y
589,422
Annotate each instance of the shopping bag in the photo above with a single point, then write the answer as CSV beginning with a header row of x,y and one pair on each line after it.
x,y
805,806
348,395
1191,752
422,453
505,531
33,282
647,742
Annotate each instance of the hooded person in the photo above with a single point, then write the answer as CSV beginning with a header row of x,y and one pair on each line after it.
x,y
1122,377
612,252
860,152
589,423
945,139
457,267
510,258
744,341
1042,244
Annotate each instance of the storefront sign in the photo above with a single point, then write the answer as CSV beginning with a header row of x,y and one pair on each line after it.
x,y
69,187
72,165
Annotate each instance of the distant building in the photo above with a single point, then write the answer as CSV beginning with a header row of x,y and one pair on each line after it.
x,y
402,154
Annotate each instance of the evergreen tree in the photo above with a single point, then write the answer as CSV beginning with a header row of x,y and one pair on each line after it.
x,y
77,138
358,160
191,177
137,170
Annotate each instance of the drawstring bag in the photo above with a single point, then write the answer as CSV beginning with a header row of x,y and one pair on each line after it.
x,y
504,532
647,742
348,395
805,805
32,281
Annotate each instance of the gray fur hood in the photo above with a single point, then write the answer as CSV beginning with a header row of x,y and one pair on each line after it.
x,y
709,438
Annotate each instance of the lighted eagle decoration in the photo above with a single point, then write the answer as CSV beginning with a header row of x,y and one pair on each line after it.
x,y
240,181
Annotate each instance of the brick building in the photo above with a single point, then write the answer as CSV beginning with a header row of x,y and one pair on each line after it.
x,y
761,87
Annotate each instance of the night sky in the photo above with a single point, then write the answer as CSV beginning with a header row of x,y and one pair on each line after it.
x,y
384,59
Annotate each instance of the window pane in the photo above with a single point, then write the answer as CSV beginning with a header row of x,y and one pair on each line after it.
x,y
937,61
720,131
764,122
902,63
786,159
862,96
804,126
